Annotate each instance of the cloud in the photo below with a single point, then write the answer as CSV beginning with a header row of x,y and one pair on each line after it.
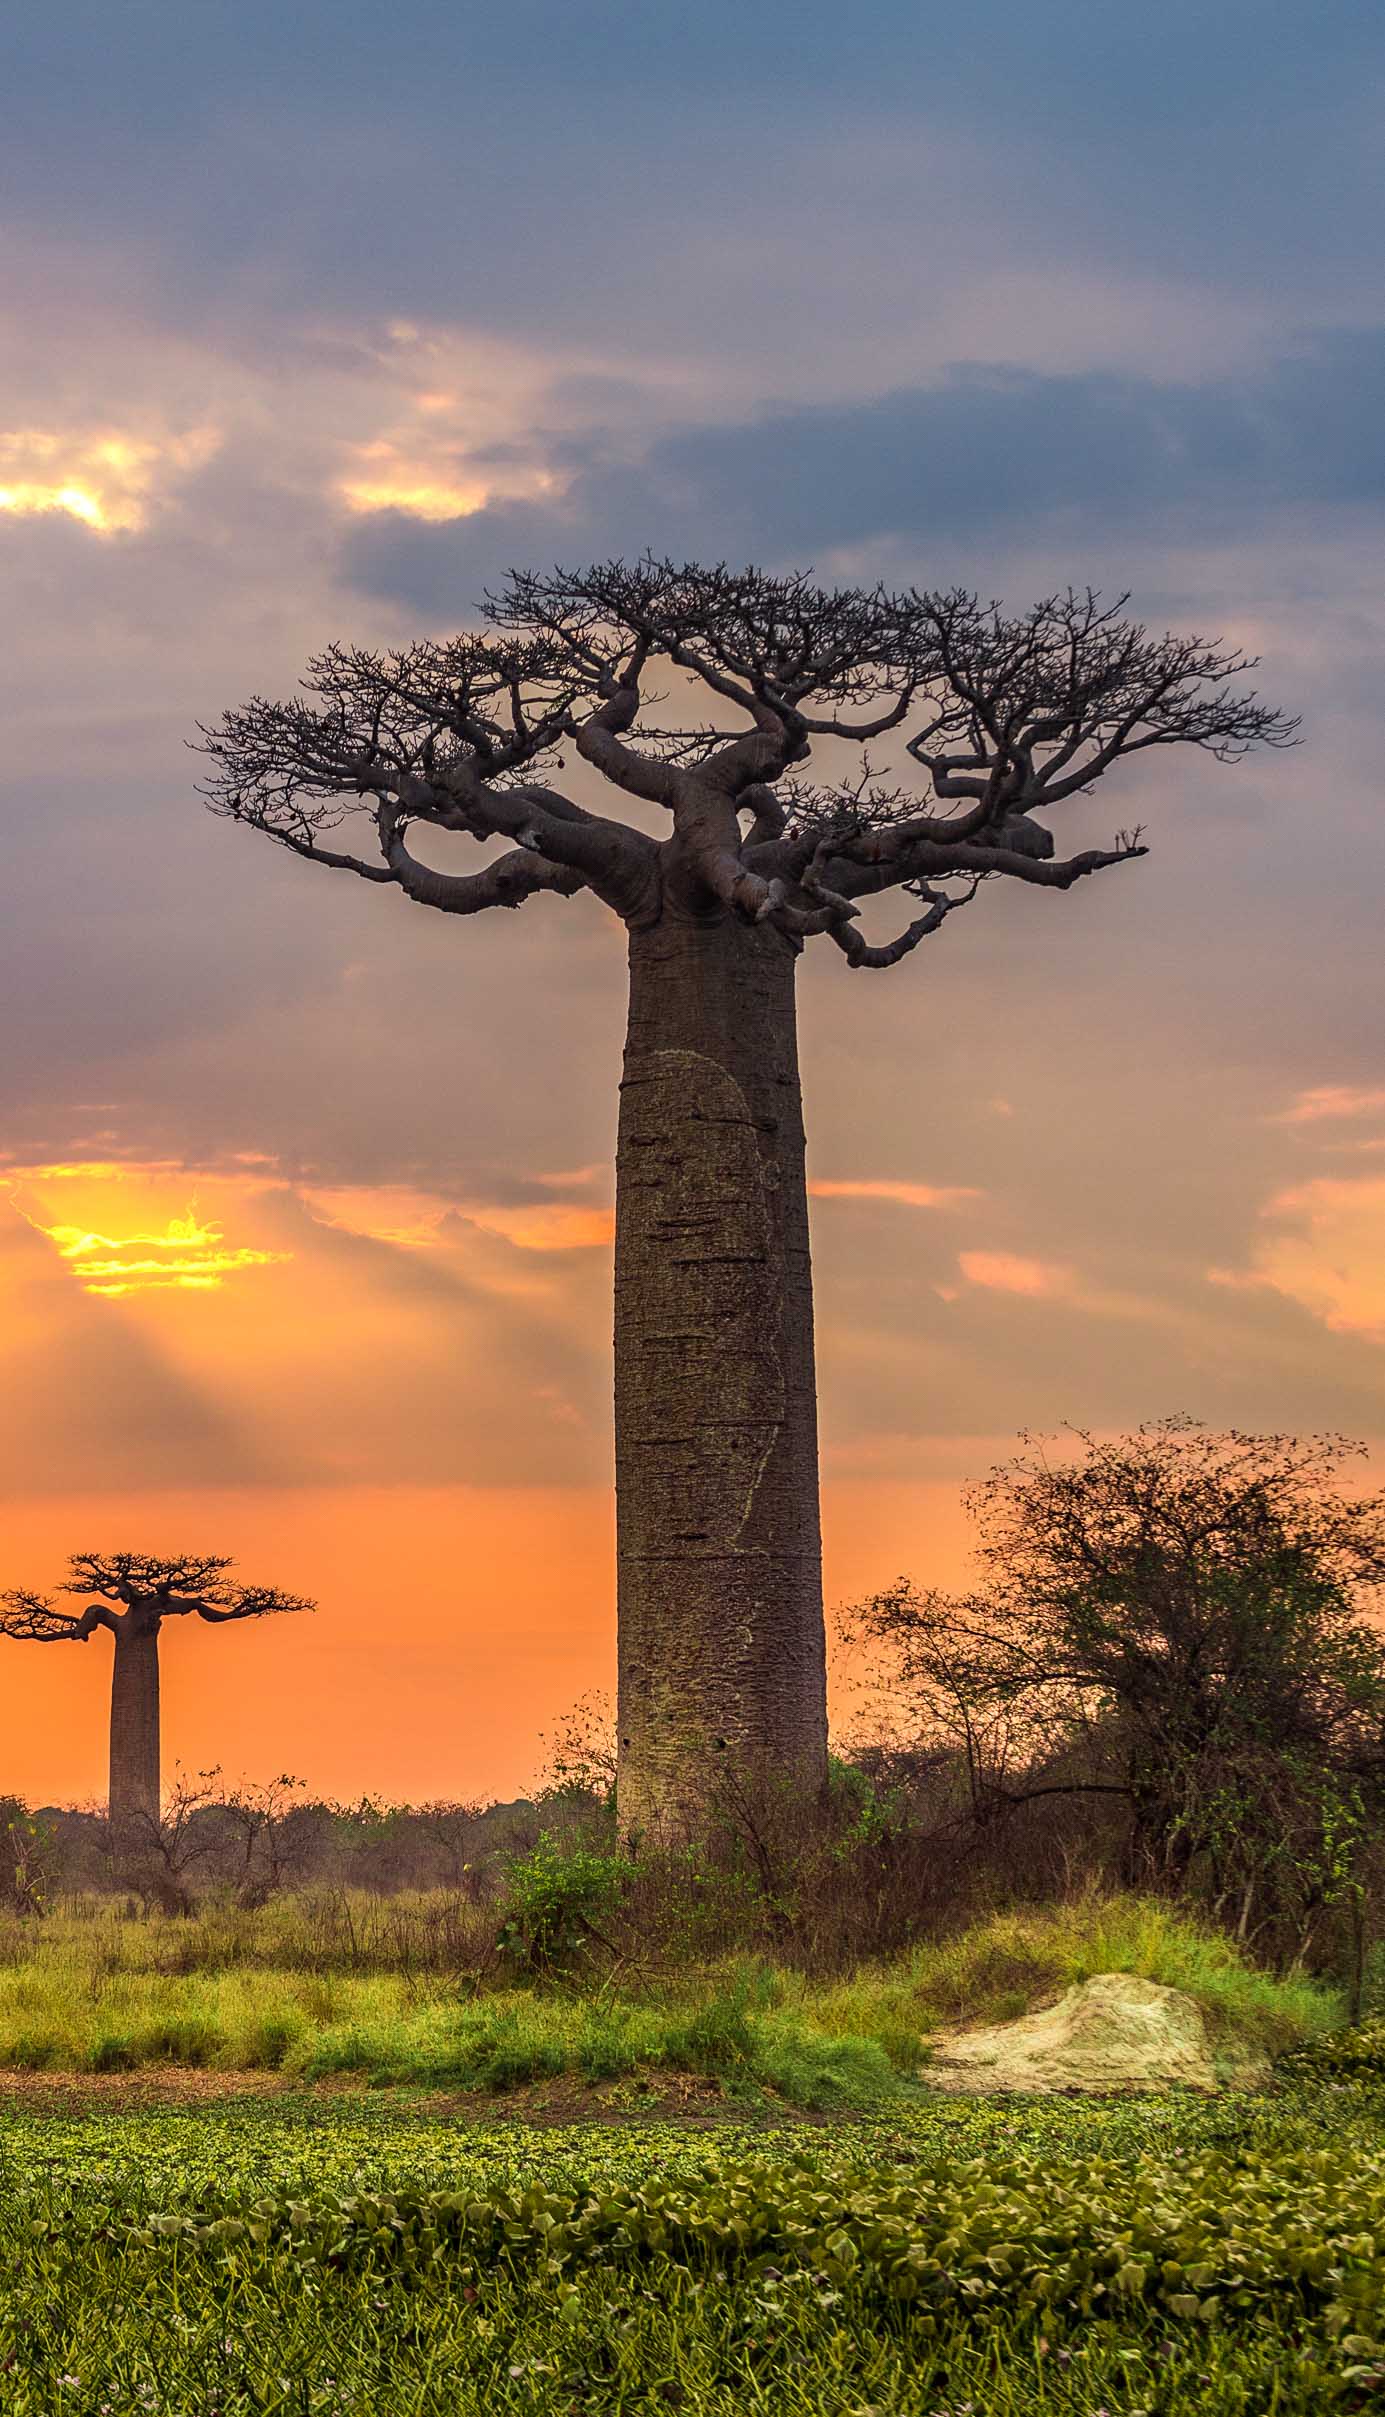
x,y
249,148
910,1195
94,1398
1006,1271
550,1225
185,1255
339,1331
102,477
984,448
1330,1102
1324,1249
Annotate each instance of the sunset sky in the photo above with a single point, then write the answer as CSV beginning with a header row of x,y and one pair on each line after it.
x,y
315,319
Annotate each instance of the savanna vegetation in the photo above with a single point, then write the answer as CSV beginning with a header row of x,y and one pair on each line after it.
x,y
312,1988
451,2106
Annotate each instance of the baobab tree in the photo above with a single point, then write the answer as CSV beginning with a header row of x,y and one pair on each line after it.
x,y
134,1594
997,722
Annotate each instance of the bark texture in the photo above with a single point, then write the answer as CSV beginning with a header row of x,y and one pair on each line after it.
x,y
134,1784
721,1654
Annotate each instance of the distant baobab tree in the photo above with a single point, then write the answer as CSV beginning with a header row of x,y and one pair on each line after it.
x,y
135,1594
998,721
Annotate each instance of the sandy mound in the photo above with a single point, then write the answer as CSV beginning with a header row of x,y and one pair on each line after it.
x,y
1113,2032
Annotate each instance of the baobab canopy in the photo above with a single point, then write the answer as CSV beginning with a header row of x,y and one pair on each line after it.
x,y
1004,717
134,1594
701,696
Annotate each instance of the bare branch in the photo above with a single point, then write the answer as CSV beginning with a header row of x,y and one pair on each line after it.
x,y
151,1587
39,1622
1012,715
508,881
859,954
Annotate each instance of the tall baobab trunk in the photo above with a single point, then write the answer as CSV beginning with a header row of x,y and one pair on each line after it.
x,y
722,1661
134,1789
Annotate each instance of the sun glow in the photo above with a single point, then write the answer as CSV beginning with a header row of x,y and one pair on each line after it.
x,y
401,490
105,481
186,1256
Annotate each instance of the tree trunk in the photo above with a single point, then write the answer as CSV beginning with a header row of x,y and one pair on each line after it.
x,y
134,1796
721,1654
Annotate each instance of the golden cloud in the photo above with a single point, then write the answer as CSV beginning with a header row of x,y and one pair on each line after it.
x,y
436,458
105,478
1326,1250
909,1195
548,1225
1332,1100
186,1256
75,1209
390,477
1006,1271
412,1218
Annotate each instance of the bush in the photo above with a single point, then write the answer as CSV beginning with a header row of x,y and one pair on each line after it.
x,y
1354,2055
554,1899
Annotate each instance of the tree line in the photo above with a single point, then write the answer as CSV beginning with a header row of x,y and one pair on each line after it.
x,y
1167,1676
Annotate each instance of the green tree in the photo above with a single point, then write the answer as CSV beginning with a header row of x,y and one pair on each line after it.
x,y
1177,1619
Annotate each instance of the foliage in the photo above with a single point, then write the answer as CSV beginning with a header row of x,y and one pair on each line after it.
x,y
1173,1620
1355,2054
581,1757
277,2258
1198,2238
554,1900
1002,1966
28,1852
238,1989
150,1588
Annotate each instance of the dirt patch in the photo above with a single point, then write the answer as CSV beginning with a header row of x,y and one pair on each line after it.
x,y
691,2099
687,2098
152,2086
1113,2032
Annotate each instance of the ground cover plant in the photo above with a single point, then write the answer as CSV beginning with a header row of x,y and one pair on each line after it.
x,y
1167,2256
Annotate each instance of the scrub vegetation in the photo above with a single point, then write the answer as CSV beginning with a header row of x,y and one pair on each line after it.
x,y
279,1990
1151,1742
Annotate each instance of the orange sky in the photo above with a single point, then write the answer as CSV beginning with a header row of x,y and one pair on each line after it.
x,y
457,1626
393,1397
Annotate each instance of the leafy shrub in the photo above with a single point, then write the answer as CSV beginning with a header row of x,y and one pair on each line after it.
x,y
554,1900
1357,2054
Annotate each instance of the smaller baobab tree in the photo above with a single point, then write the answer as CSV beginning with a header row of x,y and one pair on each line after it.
x,y
132,1594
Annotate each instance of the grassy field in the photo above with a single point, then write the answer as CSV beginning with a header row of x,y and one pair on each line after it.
x,y
817,2234
299,1991
294,2257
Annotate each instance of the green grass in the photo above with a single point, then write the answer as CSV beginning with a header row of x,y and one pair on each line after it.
x,y
396,2266
1001,1967
88,1992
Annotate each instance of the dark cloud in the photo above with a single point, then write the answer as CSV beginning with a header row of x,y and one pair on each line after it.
x,y
548,164
985,450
